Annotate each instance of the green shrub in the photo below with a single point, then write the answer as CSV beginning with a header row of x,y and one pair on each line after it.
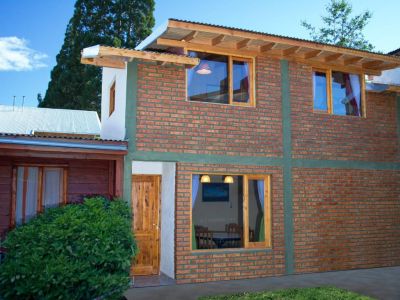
x,y
78,251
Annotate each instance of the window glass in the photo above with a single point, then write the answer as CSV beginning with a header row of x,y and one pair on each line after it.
x,y
346,94
320,92
19,195
217,212
27,191
208,81
256,210
52,186
241,81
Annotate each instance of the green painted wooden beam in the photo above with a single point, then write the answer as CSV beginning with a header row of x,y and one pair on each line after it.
x,y
287,168
130,126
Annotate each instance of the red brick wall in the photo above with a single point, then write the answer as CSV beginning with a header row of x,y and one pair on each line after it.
x,y
245,263
84,177
322,136
346,219
168,123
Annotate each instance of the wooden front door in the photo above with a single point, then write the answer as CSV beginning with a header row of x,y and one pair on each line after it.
x,y
145,210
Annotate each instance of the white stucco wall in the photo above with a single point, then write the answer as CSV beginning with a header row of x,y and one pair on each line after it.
x,y
167,208
168,220
113,127
147,167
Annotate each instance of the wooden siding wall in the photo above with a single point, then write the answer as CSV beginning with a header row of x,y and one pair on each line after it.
x,y
85,177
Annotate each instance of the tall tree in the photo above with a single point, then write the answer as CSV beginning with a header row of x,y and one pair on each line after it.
x,y
340,28
120,23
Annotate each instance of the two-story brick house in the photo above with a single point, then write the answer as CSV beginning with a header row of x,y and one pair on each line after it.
x,y
253,154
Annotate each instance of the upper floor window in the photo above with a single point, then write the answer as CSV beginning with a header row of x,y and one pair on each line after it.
x,y
111,106
338,93
221,79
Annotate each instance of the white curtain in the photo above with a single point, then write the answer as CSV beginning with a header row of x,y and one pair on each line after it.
x,y
52,187
195,187
260,188
356,88
314,86
31,193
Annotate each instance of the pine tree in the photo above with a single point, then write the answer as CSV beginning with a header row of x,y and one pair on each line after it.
x,y
119,23
340,29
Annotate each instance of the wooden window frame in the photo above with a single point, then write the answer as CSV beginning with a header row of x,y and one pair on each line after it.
x,y
111,103
267,243
328,72
39,204
252,88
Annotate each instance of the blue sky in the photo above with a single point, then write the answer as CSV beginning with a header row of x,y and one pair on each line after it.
x,y
36,29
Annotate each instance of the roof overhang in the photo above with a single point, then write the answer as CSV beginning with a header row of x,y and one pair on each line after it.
x,y
112,57
62,145
381,87
206,37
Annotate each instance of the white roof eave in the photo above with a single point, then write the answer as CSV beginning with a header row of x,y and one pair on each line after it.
x,y
91,52
160,30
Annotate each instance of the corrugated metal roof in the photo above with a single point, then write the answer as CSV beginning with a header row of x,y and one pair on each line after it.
x,y
273,35
27,120
61,137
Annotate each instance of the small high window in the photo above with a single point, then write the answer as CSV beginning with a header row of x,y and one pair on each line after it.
x,y
338,93
112,99
221,79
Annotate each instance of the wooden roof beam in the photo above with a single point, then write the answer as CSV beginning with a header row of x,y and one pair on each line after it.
x,y
267,47
242,44
112,57
104,62
352,60
279,40
291,50
372,64
333,57
389,66
218,40
190,36
312,54
203,47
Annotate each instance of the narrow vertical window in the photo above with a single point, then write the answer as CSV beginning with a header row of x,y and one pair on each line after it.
x,y
112,99
320,91
241,81
27,194
52,187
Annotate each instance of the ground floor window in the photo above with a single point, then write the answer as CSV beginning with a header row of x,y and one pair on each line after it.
x,y
36,188
230,211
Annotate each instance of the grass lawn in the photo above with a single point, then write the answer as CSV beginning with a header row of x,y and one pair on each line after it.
x,y
319,293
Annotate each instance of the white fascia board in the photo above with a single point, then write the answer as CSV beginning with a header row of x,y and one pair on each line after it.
x,y
91,52
153,36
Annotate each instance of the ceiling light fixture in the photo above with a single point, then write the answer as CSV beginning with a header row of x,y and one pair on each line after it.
x,y
205,179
